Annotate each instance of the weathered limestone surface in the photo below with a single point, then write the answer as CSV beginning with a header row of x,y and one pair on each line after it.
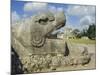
x,y
29,37
35,50
51,46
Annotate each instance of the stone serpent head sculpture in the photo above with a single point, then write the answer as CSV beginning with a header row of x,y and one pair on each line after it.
x,y
33,31
43,24
30,41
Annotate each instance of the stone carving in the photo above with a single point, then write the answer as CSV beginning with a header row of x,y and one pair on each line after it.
x,y
32,33
35,49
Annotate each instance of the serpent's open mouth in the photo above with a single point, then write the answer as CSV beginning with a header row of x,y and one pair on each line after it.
x,y
37,39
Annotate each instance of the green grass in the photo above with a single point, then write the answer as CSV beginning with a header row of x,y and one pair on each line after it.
x,y
82,41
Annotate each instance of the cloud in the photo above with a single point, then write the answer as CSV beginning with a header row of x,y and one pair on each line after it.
x,y
80,10
35,6
40,6
55,9
52,9
15,17
24,15
60,9
87,20
86,14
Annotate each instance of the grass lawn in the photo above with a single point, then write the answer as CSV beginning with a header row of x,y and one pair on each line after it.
x,y
82,41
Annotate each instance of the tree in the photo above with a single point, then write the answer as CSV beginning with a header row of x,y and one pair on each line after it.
x,y
84,32
91,32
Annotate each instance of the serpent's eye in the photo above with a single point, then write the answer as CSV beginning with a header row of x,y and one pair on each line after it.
x,y
43,21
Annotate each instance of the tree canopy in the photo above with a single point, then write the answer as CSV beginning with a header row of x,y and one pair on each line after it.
x,y
90,32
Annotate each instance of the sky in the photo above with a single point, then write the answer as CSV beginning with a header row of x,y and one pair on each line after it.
x,y
77,16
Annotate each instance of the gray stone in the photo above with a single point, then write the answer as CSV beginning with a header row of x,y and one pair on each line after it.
x,y
29,36
30,41
37,51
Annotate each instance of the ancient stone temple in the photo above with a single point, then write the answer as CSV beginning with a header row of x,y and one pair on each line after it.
x,y
36,51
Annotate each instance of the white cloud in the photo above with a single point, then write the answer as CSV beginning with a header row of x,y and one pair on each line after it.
x,y
14,16
86,14
54,9
60,9
87,20
80,10
35,6
25,15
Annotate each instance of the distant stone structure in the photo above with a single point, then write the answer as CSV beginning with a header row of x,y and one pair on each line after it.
x,y
85,37
60,35
66,33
